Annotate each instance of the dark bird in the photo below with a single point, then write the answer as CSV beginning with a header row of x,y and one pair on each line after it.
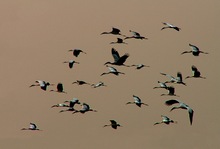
x,y
139,66
113,124
71,104
118,60
195,50
59,88
114,31
112,70
80,82
136,35
71,62
137,101
170,26
162,85
181,106
119,40
43,84
195,73
76,52
166,120
99,84
31,127
85,108
171,92
177,80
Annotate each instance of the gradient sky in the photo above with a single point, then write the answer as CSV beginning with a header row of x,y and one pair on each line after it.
x,y
35,37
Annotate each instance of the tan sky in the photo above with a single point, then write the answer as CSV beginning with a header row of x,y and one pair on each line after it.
x,y
35,37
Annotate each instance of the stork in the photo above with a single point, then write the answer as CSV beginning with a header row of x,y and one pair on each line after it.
x,y
170,26
32,126
195,73
137,101
112,70
59,88
71,62
76,52
166,120
136,35
177,80
113,124
85,108
195,50
43,84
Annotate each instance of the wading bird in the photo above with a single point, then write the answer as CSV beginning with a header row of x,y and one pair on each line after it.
x,y
171,92
113,124
112,70
99,84
71,105
181,106
139,66
118,60
85,108
195,73
166,120
71,62
170,26
162,85
31,127
177,80
76,52
136,35
195,50
114,31
80,82
119,40
59,88
137,101
43,84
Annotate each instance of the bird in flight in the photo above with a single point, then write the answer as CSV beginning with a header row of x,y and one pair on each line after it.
x,y
119,40
71,62
76,52
177,80
136,35
139,66
195,50
59,88
43,84
118,60
195,73
170,26
85,108
71,104
137,101
99,84
112,70
32,126
80,82
113,124
181,106
162,85
114,31
166,120
171,92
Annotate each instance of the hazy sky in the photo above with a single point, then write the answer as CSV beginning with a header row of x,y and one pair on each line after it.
x,y
35,37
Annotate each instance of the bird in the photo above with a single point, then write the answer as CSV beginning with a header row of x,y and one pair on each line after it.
x,y
177,80
112,70
195,50
59,88
71,62
170,26
195,73
139,66
181,106
85,108
113,124
76,52
162,85
115,31
80,82
118,60
32,126
119,40
171,92
166,120
136,35
43,84
71,104
99,84
137,101
60,105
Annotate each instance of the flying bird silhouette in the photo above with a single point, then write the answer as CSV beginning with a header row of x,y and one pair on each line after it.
x,y
71,105
170,26
80,82
115,31
71,62
43,84
195,50
85,108
137,101
177,80
166,120
99,84
136,35
112,70
118,60
119,40
162,85
32,126
139,66
195,73
171,91
59,88
76,52
113,124
181,106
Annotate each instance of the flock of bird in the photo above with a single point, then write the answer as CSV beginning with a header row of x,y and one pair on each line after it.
x,y
120,61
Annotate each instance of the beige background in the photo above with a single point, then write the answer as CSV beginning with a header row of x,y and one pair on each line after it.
x,y
35,37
